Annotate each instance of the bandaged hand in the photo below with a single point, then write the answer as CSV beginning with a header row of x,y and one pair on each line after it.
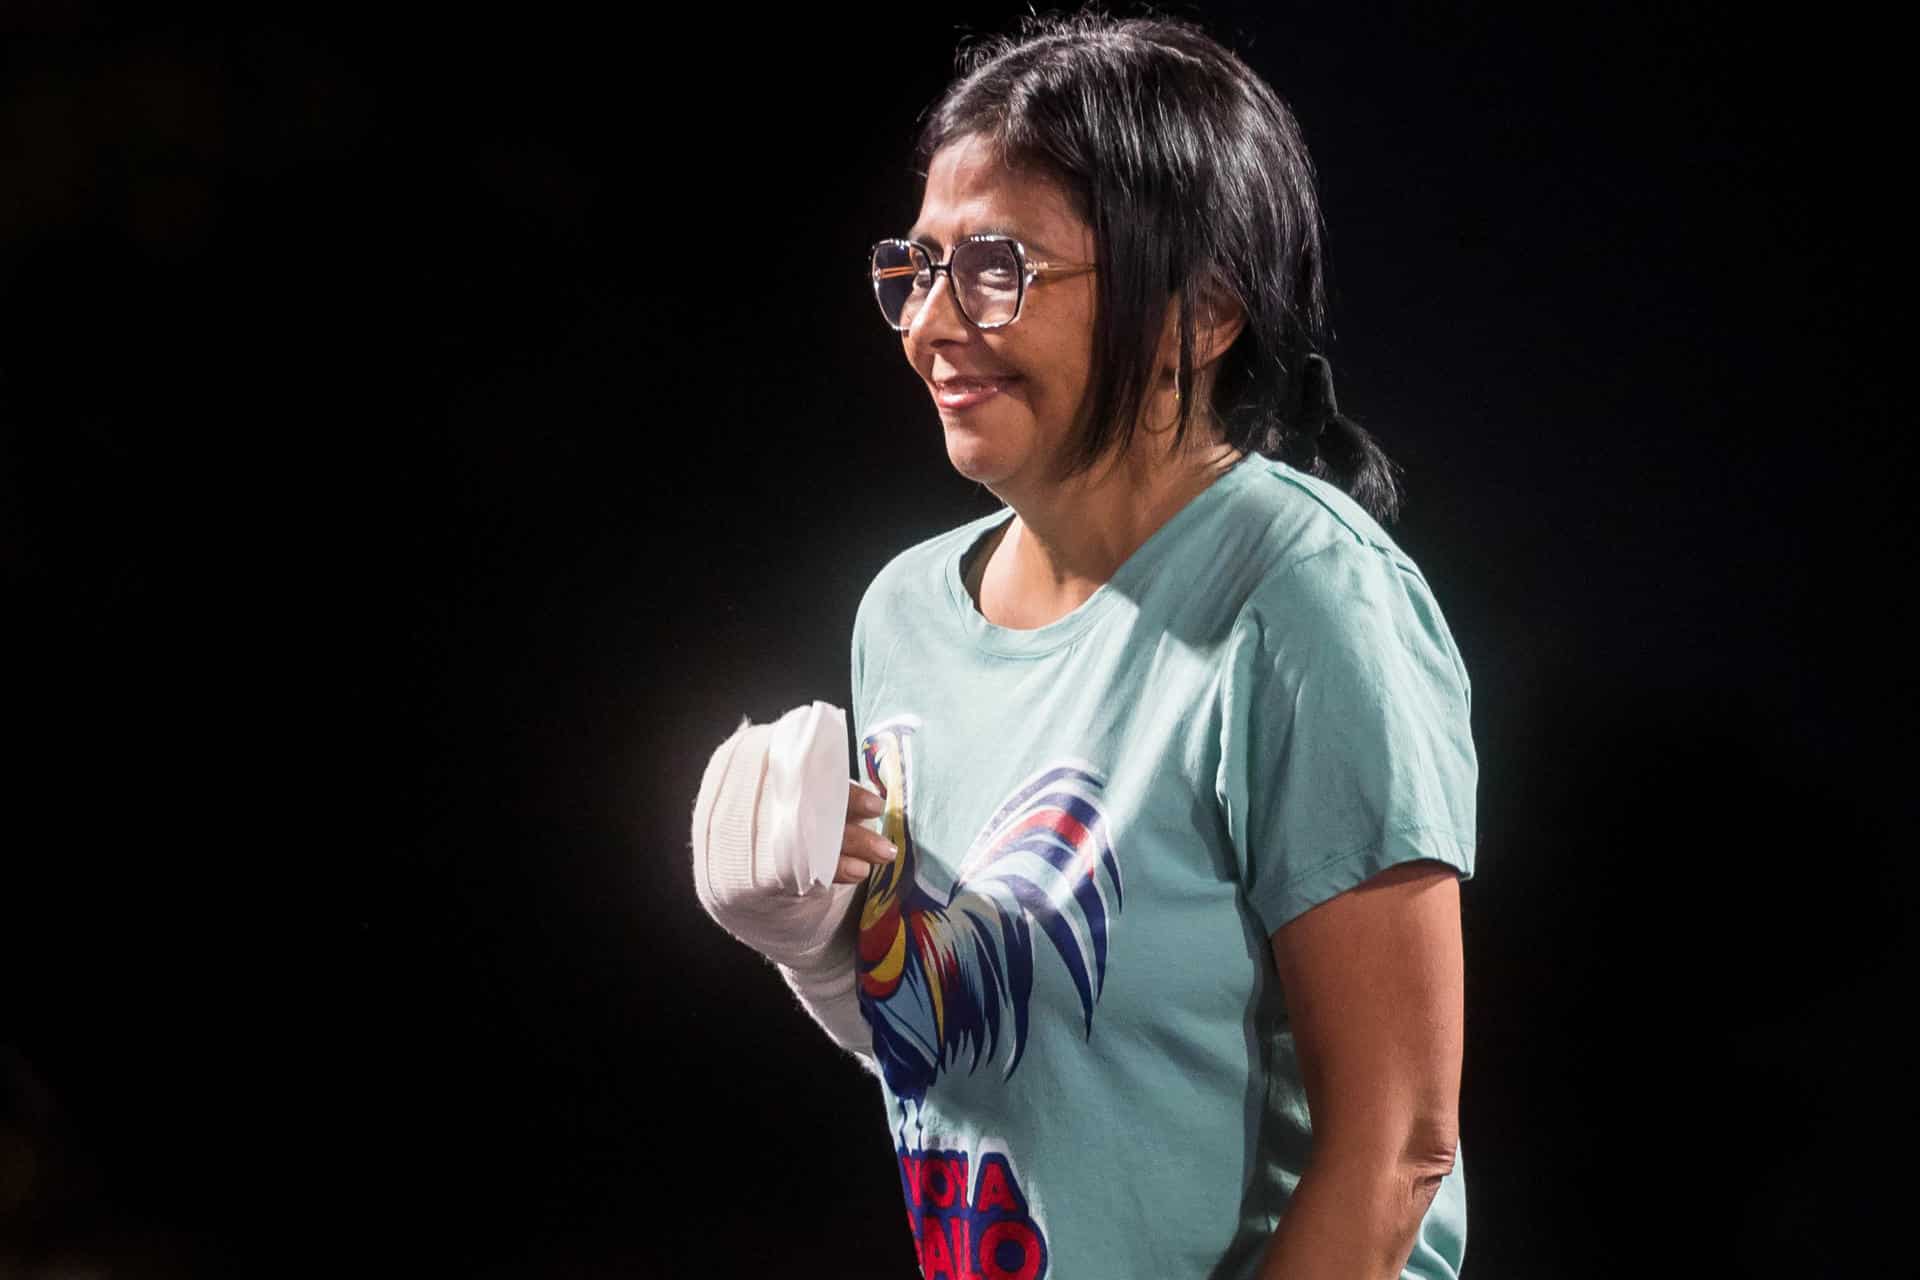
x,y
780,845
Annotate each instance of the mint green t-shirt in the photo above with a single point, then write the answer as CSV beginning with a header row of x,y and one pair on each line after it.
x,y
1087,1063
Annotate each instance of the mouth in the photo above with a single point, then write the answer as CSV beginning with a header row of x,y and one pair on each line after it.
x,y
965,393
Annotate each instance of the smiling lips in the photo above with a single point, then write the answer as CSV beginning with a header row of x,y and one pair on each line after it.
x,y
964,393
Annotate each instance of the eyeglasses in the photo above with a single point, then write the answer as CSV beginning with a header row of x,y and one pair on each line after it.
x,y
989,274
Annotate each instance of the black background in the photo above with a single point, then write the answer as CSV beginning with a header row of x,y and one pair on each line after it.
x,y
422,443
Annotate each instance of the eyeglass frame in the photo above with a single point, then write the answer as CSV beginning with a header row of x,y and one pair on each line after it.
x,y
1030,270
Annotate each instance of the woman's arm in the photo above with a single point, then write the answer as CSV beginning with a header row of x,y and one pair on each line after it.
x,y
810,936
1374,987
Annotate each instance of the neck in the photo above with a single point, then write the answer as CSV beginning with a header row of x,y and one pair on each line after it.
x,y
1068,538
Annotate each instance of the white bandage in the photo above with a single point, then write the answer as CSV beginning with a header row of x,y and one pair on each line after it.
x,y
767,831
803,808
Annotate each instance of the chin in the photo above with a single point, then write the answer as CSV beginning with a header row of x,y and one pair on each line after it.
x,y
977,459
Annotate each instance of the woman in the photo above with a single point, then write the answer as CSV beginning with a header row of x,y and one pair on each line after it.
x,y
1159,958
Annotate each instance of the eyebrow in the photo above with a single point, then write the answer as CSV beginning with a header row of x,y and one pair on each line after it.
x,y
933,243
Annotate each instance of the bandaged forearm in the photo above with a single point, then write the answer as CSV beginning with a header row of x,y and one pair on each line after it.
x,y
767,830
826,991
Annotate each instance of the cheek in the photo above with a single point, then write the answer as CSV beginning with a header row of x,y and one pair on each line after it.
x,y
1061,372
1065,342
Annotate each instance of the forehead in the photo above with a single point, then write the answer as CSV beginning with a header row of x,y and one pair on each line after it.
x,y
969,191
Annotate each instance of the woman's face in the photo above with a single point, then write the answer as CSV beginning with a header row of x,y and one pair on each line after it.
x,y
1007,396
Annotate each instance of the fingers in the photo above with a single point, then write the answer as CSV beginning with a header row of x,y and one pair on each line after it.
x,y
863,804
862,850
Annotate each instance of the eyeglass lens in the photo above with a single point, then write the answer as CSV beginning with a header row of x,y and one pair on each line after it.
x,y
986,281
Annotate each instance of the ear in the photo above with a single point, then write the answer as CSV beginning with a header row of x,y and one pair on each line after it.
x,y
1218,320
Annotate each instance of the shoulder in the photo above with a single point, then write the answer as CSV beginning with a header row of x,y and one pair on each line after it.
x,y
1309,548
1327,577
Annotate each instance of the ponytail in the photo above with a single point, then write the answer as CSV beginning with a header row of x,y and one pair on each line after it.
x,y
1324,442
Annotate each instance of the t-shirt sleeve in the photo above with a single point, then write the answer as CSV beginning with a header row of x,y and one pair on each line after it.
x,y
1345,739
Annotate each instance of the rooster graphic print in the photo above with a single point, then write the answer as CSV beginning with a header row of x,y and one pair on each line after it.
x,y
942,978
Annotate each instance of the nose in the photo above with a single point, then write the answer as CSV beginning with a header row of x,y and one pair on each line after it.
x,y
939,318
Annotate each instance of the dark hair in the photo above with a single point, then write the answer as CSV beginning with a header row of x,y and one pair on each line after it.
x,y
1193,176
